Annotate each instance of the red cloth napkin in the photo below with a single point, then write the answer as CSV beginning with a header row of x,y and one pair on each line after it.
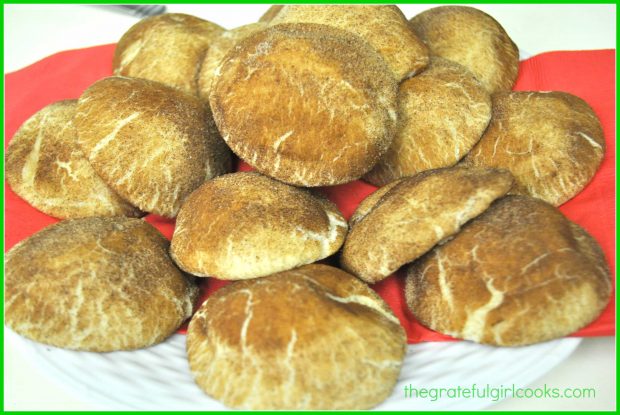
x,y
588,74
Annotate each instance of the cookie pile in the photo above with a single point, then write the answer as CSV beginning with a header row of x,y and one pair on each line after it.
x,y
470,174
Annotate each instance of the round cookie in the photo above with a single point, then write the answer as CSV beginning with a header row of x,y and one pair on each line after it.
x,y
151,143
443,113
271,13
307,104
311,338
552,142
217,51
45,167
96,284
472,38
245,225
416,214
520,273
168,48
384,27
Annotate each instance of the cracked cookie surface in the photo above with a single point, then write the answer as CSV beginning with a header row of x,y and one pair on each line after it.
x,y
443,112
384,27
96,284
313,337
246,225
46,167
520,273
472,38
399,224
168,48
218,50
151,143
552,142
307,104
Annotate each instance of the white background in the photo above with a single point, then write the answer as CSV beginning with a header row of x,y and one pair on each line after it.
x,y
35,31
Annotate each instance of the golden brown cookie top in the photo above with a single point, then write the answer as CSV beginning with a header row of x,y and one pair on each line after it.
x,y
246,225
472,38
151,143
217,51
518,274
416,214
254,343
443,113
168,48
385,28
307,104
46,167
552,142
96,284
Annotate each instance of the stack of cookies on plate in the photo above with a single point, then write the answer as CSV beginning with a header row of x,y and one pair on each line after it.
x,y
469,175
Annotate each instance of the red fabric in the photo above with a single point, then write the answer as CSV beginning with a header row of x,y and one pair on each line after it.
x,y
588,74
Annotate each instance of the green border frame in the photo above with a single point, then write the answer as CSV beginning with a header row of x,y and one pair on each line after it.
x,y
316,2
267,3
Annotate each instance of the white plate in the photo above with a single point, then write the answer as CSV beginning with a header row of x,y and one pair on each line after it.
x,y
158,378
